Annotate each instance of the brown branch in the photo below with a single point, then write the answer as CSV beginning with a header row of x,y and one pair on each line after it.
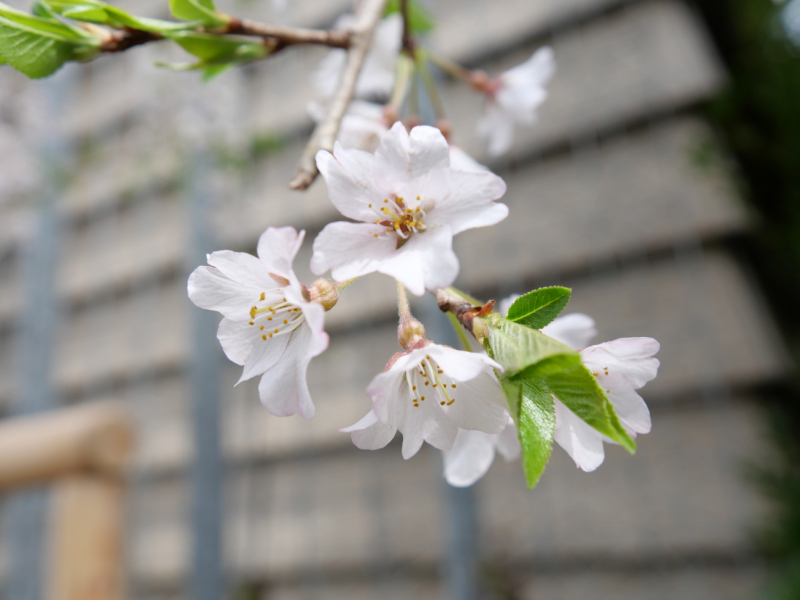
x,y
464,310
324,134
288,36
128,38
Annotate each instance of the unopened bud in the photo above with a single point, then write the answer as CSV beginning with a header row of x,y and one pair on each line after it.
x,y
324,292
410,333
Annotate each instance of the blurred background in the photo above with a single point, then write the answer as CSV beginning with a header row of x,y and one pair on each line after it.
x,y
662,183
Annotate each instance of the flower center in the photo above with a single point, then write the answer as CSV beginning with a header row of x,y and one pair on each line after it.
x,y
276,319
429,380
397,216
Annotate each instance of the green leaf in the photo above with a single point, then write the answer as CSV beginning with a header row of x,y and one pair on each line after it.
x,y
420,20
579,390
216,53
197,10
94,11
517,347
38,46
534,414
539,307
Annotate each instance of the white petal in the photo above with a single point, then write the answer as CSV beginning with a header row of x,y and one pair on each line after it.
x,y
459,364
575,330
469,202
426,261
348,176
581,441
315,320
498,128
208,288
370,433
469,459
537,70
385,391
391,158
426,422
507,442
428,151
351,249
461,161
265,353
243,268
632,357
283,388
479,405
629,406
237,339
277,248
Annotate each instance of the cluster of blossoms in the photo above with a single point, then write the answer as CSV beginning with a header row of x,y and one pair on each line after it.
x,y
407,191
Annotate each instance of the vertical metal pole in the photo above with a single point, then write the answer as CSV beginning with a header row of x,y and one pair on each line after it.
x,y
206,581
35,339
462,565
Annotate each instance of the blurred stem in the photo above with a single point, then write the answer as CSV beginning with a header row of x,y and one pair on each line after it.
x,y
462,335
405,71
402,302
430,84
408,40
450,67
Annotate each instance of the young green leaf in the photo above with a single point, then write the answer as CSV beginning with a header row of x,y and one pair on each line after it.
x,y
534,414
518,347
198,10
579,390
94,11
539,307
38,46
420,19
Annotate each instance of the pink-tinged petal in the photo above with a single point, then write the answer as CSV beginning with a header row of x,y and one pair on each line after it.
x,y
315,320
459,364
348,176
283,389
428,151
370,433
575,330
629,406
237,340
631,357
583,443
507,442
351,249
208,288
265,353
461,161
277,248
469,202
243,268
479,405
426,261
469,459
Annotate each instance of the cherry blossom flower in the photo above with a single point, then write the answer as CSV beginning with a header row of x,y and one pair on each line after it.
x,y
621,366
362,127
429,393
377,73
270,324
410,203
513,99
461,161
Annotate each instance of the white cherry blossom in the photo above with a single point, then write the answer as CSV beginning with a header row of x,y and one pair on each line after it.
x,y
429,394
513,99
377,73
270,326
362,127
621,366
410,203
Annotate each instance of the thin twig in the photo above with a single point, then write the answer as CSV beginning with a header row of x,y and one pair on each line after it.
x,y
325,132
408,40
464,310
128,38
288,36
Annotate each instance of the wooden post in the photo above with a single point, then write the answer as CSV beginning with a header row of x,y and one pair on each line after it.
x,y
84,451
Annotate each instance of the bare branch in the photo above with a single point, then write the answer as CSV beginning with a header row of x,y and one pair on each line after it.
x,y
287,36
408,40
325,132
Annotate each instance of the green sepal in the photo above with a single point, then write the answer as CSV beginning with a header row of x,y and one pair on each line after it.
x,y
532,408
38,46
420,19
539,307
198,10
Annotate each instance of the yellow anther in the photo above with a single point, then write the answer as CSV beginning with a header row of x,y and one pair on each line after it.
x,y
269,318
417,199
422,397
451,401
262,327
263,296
427,382
388,230
375,234
386,200
416,209
253,312
270,335
414,388
454,385
276,331
370,205
285,321
264,337
252,323
442,402
440,371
